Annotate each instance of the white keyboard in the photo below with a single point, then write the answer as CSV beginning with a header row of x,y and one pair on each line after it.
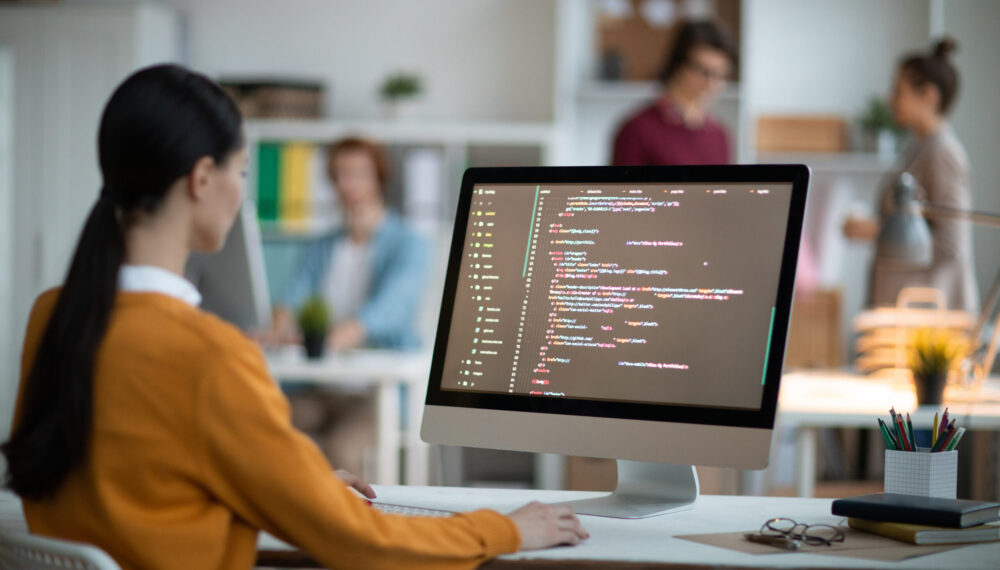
x,y
409,511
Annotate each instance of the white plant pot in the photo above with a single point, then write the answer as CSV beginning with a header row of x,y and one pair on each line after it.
x,y
885,144
398,109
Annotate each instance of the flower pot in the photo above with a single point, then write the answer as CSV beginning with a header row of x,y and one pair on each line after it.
x,y
398,109
314,344
930,387
882,142
885,144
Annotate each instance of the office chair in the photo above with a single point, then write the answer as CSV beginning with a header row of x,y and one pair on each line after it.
x,y
23,551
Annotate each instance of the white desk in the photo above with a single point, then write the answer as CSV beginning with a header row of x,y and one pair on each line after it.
x,y
836,399
384,371
653,539
643,540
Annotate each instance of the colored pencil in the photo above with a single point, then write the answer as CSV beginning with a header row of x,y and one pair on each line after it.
x,y
902,433
954,440
892,436
943,441
885,434
947,438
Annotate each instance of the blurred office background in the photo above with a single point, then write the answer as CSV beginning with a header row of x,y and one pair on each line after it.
x,y
503,82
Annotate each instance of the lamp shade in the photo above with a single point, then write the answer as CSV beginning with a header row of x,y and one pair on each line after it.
x,y
905,238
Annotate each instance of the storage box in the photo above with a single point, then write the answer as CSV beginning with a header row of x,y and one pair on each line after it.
x,y
920,473
814,331
276,98
780,133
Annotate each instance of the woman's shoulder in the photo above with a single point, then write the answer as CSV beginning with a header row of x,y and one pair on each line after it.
x,y
45,303
41,312
946,148
178,323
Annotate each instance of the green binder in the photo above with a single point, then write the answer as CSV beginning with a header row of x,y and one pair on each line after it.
x,y
268,179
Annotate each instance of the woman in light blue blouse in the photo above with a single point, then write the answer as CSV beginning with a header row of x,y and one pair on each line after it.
x,y
372,271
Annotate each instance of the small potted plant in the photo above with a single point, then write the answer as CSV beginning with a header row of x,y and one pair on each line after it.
x,y
933,354
880,131
314,321
398,90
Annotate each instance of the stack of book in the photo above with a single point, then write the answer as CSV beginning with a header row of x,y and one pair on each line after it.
x,y
922,520
294,192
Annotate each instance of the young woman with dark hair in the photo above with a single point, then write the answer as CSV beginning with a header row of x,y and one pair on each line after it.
x,y
923,93
152,429
677,128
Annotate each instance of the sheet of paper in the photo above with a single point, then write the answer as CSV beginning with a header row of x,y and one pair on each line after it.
x,y
856,544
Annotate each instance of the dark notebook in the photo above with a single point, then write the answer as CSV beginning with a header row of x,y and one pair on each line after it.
x,y
955,513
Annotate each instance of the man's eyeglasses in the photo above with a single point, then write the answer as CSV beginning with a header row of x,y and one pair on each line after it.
x,y
706,72
812,534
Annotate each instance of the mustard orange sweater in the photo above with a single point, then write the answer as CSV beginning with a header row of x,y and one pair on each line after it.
x,y
192,451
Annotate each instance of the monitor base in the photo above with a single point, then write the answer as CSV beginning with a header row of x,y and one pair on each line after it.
x,y
644,490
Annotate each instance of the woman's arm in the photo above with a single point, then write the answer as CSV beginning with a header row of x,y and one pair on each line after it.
x,y
275,478
947,185
860,229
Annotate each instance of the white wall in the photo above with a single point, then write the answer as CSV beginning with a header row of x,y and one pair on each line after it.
x,y
66,61
480,59
8,366
818,56
975,23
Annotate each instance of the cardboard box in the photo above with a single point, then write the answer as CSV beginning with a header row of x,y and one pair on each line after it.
x,y
807,133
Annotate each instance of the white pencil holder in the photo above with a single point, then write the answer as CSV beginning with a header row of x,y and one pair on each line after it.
x,y
920,473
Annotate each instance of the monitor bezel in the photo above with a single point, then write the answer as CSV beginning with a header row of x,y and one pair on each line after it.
x,y
796,175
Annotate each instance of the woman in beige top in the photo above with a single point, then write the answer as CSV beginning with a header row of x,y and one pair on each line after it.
x,y
923,93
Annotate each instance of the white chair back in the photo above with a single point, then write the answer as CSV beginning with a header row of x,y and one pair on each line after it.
x,y
23,551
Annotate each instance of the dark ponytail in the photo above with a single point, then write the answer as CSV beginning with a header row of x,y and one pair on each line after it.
x,y
157,124
934,69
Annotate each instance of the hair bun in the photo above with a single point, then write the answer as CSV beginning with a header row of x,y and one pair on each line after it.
x,y
944,47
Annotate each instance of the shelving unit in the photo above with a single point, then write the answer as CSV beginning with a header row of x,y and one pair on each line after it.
x,y
835,163
461,145
458,145
636,92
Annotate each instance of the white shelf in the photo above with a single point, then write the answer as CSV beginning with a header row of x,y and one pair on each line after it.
x,y
278,231
637,91
415,132
835,162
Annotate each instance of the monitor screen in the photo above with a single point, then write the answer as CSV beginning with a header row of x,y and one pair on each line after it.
x,y
232,281
656,295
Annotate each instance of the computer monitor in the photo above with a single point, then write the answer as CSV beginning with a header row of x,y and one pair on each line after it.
x,y
634,313
232,281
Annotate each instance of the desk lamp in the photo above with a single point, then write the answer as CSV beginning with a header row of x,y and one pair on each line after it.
x,y
905,238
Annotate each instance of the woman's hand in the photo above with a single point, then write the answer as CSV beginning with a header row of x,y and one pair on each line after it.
x,y
356,483
346,336
542,526
283,330
862,229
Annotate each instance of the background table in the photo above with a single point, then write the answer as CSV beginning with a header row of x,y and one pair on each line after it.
x,y
837,399
384,371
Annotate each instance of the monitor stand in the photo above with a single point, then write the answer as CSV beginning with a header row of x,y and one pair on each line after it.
x,y
644,490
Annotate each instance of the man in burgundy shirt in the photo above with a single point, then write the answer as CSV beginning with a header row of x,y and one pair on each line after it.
x,y
676,128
